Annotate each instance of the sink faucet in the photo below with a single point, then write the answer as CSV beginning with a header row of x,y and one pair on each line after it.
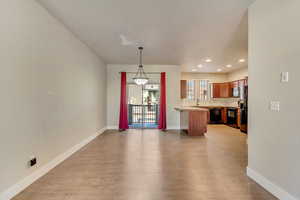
x,y
197,101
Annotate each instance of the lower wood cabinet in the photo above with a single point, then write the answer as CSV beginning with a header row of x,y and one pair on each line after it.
x,y
224,115
239,118
183,89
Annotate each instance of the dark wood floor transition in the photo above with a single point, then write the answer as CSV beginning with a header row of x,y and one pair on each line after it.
x,y
153,165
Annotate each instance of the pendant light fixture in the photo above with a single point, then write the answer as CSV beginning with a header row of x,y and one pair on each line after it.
x,y
140,77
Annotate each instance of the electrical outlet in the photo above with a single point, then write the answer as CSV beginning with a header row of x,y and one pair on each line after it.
x,y
275,106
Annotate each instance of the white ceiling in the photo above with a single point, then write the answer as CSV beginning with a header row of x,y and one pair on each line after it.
x,y
173,32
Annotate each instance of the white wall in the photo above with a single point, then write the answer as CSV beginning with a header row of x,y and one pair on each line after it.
x,y
113,91
52,89
274,139
237,74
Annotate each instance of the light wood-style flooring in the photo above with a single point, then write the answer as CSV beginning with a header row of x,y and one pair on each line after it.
x,y
153,165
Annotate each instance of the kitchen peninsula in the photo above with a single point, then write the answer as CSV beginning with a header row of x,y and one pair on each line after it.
x,y
193,120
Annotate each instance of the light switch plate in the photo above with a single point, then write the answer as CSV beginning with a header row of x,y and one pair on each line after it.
x,y
284,77
275,106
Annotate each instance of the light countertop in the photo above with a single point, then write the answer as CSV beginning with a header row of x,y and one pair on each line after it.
x,y
215,106
190,108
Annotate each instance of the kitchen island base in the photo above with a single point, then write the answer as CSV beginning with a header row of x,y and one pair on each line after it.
x,y
193,121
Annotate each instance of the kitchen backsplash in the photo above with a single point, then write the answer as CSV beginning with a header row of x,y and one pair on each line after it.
x,y
228,102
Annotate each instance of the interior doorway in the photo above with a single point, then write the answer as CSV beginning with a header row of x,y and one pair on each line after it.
x,y
143,105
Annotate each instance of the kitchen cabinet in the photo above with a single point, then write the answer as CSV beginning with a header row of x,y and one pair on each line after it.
x,y
208,117
193,120
225,90
216,90
183,89
239,118
229,89
221,90
224,115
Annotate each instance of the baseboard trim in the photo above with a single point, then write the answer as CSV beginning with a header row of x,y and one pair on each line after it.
x,y
24,183
173,128
269,186
112,128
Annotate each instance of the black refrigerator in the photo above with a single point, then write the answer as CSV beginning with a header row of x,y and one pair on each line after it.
x,y
244,110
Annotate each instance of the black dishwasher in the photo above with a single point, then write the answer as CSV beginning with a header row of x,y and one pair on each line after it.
x,y
216,115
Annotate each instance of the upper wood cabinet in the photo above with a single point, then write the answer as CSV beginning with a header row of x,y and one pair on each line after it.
x,y
221,90
183,89
225,90
216,90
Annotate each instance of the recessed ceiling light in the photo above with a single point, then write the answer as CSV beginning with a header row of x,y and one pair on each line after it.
x,y
200,66
219,70
208,60
194,70
228,66
242,60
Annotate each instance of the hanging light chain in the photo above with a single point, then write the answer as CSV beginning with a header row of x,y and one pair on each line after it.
x,y
141,77
141,56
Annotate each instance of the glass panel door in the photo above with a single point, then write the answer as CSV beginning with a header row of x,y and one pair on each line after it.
x,y
143,105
